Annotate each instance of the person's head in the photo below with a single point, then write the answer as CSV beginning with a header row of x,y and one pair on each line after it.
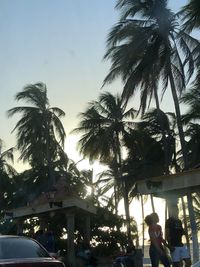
x,y
173,211
148,220
129,249
154,217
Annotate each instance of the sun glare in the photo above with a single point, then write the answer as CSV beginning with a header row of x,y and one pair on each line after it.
x,y
82,164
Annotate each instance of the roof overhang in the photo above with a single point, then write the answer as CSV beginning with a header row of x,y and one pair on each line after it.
x,y
68,204
178,183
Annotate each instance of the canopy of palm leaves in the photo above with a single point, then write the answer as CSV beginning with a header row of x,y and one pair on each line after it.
x,y
191,119
39,128
6,157
101,125
191,15
192,99
147,49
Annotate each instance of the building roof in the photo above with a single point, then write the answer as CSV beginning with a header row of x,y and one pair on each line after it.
x,y
178,183
63,199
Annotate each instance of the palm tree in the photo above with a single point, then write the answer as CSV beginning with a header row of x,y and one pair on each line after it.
x,y
191,15
193,144
161,126
7,172
191,119
103,126
148,49
5,157
40,133
106,182
192,99
86,177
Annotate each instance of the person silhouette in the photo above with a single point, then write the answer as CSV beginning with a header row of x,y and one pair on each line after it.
x,y
174,232
156,249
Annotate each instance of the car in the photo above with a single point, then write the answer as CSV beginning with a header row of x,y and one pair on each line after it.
x,y
22,251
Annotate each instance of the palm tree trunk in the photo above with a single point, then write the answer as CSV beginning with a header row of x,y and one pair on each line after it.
x,y
124,191
142,206
116,185
116,199
185,222
92,186
152,203
156,97
166,209
127,212
178,118
165,145
193,228
184,152
49,161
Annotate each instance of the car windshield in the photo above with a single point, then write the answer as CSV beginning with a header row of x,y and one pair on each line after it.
x,y
11,248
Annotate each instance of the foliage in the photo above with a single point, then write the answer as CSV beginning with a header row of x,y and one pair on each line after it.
x,y
147,48
105,236
191,121
100,125
191,15
40,133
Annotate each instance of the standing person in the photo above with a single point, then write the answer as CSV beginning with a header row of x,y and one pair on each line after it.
x,y
156,250
174,232
50,242
40,237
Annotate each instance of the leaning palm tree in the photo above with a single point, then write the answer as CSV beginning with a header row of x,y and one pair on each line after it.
x,y
103,126
148,49
40,133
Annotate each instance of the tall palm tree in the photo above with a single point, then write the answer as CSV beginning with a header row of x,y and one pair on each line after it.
x,y
40,133
103,126
149,49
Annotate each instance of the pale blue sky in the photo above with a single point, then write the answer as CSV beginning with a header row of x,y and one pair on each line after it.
x,y
58,42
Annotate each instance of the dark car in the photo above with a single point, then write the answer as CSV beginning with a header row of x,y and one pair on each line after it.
x,y
24,252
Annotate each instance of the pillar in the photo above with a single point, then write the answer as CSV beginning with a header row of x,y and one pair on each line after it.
x,y
43,225
20,226
87,229
70,240
172,201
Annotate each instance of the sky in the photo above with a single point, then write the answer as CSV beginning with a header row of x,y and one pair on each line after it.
x,y
60,43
